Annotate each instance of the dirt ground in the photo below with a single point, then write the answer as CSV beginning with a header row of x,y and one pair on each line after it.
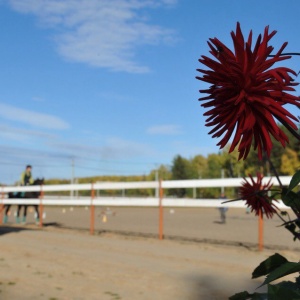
x,y
58,263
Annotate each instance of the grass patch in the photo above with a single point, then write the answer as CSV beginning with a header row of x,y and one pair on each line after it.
x,y
77,273
114,296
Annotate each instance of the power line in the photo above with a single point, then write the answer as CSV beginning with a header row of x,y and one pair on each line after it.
x,y
75,166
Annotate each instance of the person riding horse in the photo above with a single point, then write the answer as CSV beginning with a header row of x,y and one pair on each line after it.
x,y
25,180
26,176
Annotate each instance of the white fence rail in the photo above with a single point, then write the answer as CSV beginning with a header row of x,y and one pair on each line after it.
x,y
166,184
129,201
134,201
158,201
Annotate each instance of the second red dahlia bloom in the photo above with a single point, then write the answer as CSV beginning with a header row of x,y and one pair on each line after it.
x,y
246,95
255,193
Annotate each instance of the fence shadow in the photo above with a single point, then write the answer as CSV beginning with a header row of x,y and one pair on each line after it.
x,y
11,229
52,224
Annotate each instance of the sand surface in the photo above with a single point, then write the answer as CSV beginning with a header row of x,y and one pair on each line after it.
x,y
58,263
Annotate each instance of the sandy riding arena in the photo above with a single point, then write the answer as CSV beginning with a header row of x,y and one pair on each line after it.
x,y
63,261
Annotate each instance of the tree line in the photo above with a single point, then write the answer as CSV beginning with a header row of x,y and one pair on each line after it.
x,y
216,165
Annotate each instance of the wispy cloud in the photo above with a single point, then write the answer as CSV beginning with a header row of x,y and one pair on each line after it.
x,y
21,135
169,129
38,99
112,148
101,33
28,117
120,147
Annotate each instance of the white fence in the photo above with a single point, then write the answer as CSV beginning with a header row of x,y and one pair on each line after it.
x,y
134,201
158,201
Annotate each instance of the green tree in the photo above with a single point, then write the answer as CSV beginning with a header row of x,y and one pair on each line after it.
x,y
198,166
180,170
214,165
289,162
230,163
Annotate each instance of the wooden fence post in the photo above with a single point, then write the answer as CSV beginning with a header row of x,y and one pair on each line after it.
x,y
161,212
260,231
92,220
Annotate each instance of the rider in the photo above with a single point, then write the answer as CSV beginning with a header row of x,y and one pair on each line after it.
x,y
26,179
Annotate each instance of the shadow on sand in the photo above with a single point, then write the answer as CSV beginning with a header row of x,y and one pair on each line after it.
x,y
11,229
4,229
219,222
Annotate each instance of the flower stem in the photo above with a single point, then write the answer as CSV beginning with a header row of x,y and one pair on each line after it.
x,y
275,172
280,217
288,53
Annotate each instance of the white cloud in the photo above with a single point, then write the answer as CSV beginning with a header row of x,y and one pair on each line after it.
x,y
38,99
22,135
112,148
28,117
101,33
120,148
165,130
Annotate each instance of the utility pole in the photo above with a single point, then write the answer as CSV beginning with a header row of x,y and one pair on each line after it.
x,y
222,176
72,177
157,180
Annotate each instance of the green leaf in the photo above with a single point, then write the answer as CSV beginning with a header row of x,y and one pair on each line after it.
x,y
269,265
259,296
289,285
285,269
291,227
240,296
294,181
246,296
291,199
283,290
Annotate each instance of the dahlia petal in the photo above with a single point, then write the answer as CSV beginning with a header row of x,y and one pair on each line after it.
x,y
250,121
226,138
249,41
240,97
257,45
281,49
246,140
279,111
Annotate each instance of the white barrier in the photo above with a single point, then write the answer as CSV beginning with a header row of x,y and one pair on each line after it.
x,y
159,201
166,184
129,201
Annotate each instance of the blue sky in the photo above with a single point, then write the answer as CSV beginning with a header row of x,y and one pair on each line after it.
x,y
110,84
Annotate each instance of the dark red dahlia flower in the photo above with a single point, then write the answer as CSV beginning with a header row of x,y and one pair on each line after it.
x,y
247,95
255,193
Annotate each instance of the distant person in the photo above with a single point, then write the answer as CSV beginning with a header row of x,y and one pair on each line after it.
x,y
26,176
223,209
25,179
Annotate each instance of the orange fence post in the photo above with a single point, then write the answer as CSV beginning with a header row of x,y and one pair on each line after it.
x,y
260,231
41,208
161,212
92,221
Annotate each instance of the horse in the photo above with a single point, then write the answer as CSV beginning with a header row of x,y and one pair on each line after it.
x,y
24,195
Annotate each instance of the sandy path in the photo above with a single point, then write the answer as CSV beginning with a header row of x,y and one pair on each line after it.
x,y
67,264
188,223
